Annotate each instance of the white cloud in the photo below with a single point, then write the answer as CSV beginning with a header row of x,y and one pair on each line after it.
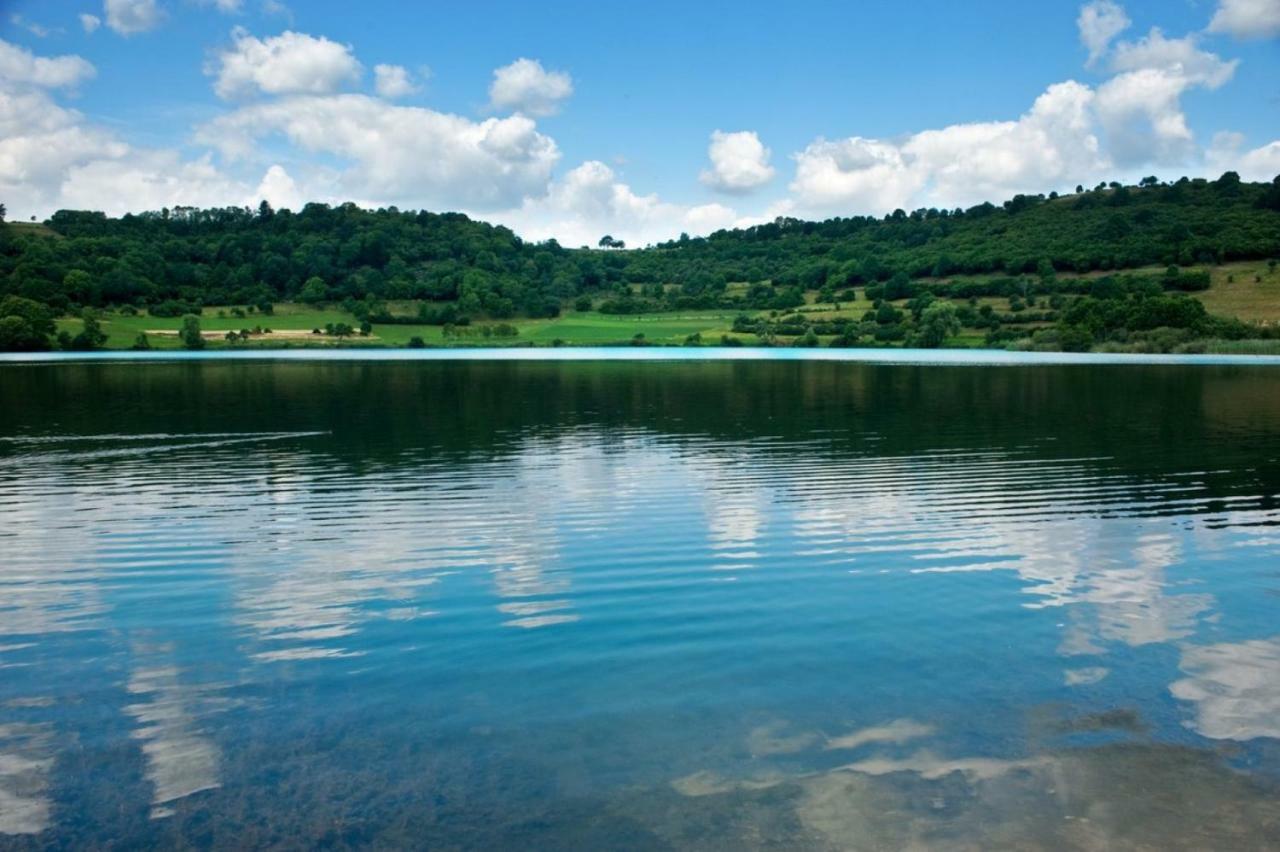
x,y
128,17
1099,23
19,65
90,22
280,190
1142,114
1072,134
854,174
739,162
1140,108
1247,18
409,156
961,164
393,81
227,7
289,63
1226,153
1176,56
590,201
525,86
53,158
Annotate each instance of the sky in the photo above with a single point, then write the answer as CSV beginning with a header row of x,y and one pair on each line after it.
x,y
572,120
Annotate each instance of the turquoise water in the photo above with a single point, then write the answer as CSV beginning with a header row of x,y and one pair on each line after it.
x,y
341,601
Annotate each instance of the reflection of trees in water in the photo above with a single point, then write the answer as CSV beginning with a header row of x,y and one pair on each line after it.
x,y
1145,421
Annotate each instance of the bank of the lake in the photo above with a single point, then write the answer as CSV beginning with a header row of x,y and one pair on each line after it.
x,y
888,356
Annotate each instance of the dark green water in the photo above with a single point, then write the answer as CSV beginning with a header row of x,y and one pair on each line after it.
x,y
639,605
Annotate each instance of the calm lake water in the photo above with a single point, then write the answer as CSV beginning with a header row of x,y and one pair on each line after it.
x,y
660,605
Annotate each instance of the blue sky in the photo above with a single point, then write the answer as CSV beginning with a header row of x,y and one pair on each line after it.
x,y
607,125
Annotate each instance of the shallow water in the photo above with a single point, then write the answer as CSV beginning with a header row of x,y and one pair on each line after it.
x,y
713,604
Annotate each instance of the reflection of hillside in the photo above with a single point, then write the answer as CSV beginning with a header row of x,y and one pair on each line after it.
x,y
1133,420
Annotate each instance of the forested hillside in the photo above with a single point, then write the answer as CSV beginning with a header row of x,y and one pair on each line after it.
x,y
451,269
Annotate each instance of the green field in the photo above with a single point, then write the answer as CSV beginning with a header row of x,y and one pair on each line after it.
x,y
573,328
1248,291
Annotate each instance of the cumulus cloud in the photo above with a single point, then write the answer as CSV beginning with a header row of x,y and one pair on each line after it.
x,y
956,165
1099,23
1176,56
280,190
90,22
128,17
525,86
739,162
19,65
393,81
1227,153
289,63
397,154
1247,18
1140,108
1072,134
590,201
51,157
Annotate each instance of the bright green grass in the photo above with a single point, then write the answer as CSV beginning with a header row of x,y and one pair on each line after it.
x,y
584,329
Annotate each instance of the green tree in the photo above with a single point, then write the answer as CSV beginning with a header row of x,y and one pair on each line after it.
x,y
91,335
314,291
25,325
17,335
937,323
190,333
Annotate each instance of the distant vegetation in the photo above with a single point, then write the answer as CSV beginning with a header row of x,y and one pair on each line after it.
x,y
1112,267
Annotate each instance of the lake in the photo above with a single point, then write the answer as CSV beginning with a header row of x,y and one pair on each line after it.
x,y
475,602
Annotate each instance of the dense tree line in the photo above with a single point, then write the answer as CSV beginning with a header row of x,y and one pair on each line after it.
x,y
174,262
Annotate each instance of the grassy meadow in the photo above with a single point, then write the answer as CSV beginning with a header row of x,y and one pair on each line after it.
x,y
1248,291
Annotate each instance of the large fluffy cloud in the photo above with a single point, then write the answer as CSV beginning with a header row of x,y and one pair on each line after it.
x,y
1140,108
290,63
51,157
739,162
19,66
398,154
960,164
1247,18
1072,134
128,17
525,86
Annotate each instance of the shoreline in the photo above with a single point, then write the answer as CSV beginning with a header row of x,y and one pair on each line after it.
x,y
922,357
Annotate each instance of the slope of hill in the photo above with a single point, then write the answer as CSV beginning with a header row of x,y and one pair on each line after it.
x,y
404,267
